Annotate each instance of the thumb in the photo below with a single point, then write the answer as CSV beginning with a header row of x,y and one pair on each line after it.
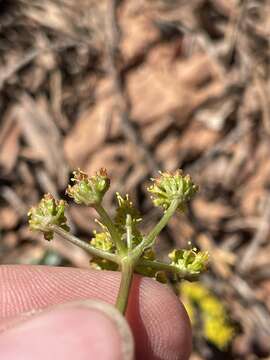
x,y
79,330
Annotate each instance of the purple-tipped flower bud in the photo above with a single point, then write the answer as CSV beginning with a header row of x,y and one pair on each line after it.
x,y
89,190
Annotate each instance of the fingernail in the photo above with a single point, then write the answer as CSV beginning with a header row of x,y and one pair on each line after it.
x,y
78,330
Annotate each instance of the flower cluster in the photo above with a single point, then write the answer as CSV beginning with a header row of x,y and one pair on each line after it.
x,y
191,262
87,190
47,213
172,186
120,245
125,208
103,241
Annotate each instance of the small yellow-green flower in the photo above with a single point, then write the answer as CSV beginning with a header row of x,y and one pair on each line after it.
x,y
171,186
126,207
47,213
103,241
89,190
192,262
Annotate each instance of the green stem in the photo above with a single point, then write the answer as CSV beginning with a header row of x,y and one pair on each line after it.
x,y
157,265
129,232
149,239
84,245
160,266
126,280
106,220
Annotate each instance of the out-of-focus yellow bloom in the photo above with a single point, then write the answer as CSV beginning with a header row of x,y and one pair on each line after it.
x,y
215,324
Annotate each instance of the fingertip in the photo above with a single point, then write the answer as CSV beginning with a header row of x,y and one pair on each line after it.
x,y
161,324
158,320
80,330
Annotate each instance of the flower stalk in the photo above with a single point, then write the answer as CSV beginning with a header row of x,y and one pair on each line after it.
x,y
106,220
85,246
127,270
150,238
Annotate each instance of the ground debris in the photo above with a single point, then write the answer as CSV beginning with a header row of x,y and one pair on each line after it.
x,y
145,86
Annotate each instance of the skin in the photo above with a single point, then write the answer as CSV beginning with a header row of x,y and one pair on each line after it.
x,y
47,312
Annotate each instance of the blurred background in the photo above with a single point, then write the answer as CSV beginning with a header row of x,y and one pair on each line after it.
x,y
136,86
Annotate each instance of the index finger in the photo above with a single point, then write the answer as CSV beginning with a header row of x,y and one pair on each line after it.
x,y
158,320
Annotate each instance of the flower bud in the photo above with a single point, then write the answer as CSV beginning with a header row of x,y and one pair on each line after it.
x,y
171,186
49,212
192,262
103,241
127,209
89,190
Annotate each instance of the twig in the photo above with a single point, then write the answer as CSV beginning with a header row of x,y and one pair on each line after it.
x,y
255,308
262,90
29,57
113,54
14,200
230,139
258,309
232,35
259,239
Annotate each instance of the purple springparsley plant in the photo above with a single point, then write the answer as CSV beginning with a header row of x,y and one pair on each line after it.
x,y
120,245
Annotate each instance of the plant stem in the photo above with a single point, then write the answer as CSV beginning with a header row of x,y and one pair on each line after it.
x,y
106,220
82,244
162,222
126,279
161,266
129,232
149,239
157,265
